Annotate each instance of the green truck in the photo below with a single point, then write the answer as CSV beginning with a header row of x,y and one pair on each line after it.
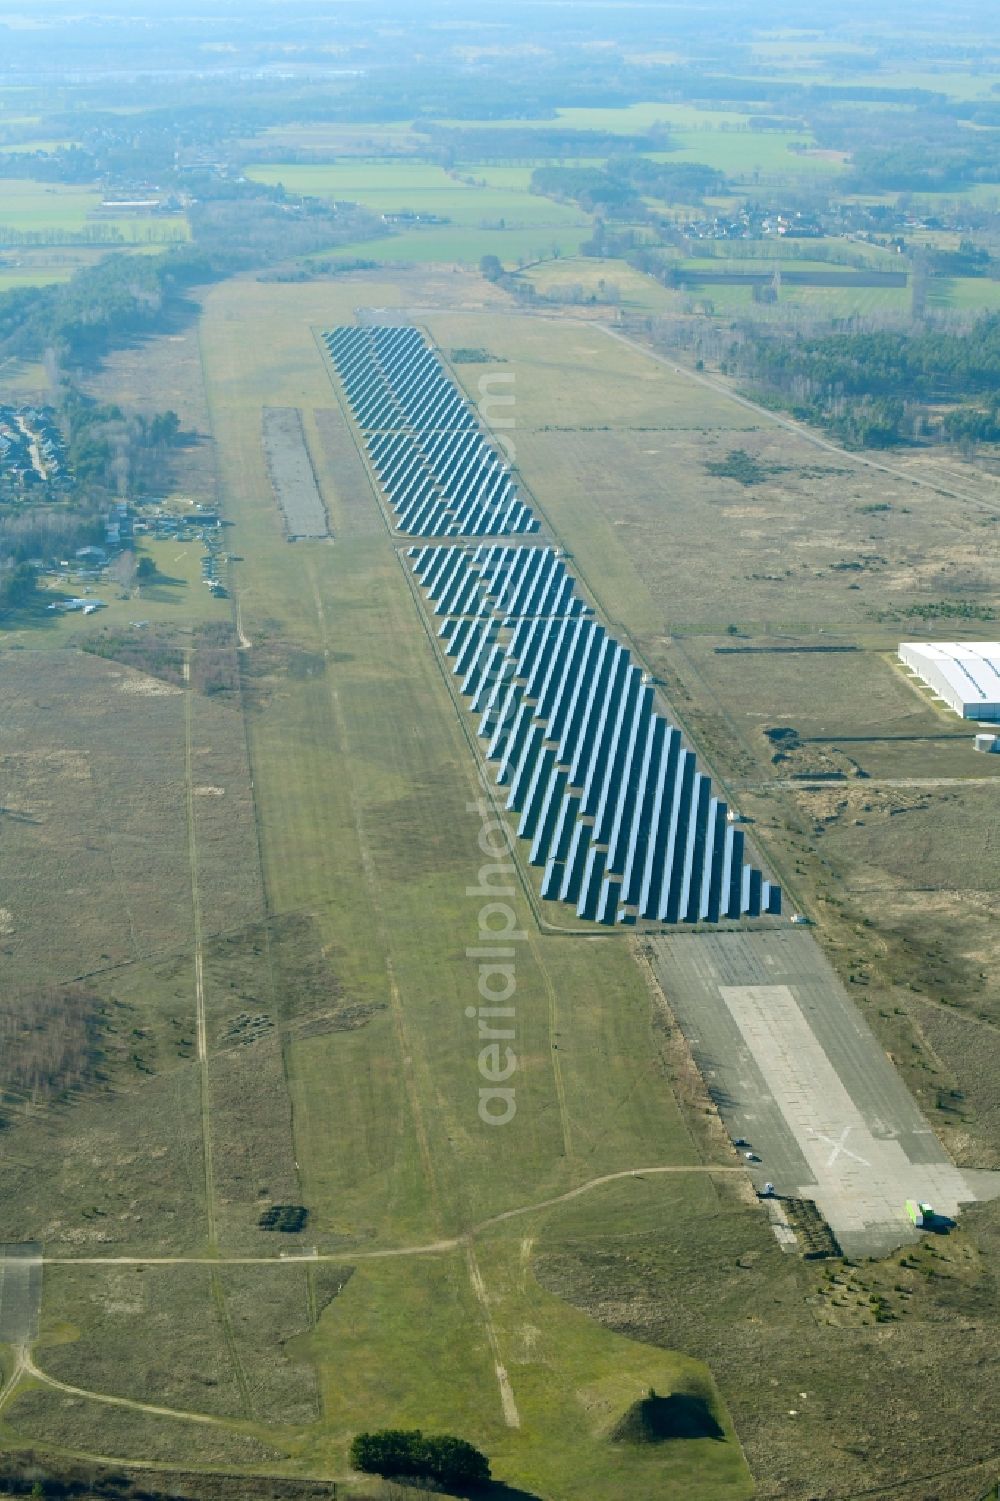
x,y
921,1215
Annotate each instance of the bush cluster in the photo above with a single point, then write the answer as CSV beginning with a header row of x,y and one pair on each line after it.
x,y
398,1452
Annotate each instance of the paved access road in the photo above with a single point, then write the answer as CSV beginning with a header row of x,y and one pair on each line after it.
x,y
795,1070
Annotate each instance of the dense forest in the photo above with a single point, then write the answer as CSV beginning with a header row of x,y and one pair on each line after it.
x,y
617,189
877,388
123,295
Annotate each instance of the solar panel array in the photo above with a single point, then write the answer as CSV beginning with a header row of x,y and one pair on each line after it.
x,y
440,475
617,814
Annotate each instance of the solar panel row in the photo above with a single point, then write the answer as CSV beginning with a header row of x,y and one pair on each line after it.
x,y
617,814
441,476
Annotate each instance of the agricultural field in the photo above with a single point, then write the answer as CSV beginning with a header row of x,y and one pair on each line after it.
x,y
14,276
965,294
627,119
394,188
371,139
49,208
753,156
489,212
795,302
448,245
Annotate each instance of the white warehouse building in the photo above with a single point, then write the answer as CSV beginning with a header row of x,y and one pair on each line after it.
x,y
966,674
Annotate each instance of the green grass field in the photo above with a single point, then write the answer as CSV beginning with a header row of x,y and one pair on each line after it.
x,y
798,254
819,302
499,218
447,244
965,294
751,155
393,187
50,207
764,256
13,278
637,292
362,780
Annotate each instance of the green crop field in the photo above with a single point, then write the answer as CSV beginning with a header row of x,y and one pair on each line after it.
x,y
767,256
795,254
393,187
451,243
12,277
34,205
821,302
965,294
26,205
749,154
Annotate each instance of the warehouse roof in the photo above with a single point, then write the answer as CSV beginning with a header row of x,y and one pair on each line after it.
x,y
970,668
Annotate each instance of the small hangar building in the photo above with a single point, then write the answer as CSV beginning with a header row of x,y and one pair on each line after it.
x,y
966,674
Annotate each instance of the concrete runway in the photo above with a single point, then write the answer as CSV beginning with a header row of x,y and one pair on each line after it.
x,y
20,1293
794,1069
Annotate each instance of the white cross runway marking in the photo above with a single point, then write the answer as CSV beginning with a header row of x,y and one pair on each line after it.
x,y
838,1147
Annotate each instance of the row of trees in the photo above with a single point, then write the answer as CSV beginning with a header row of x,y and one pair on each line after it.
x,y
92,235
